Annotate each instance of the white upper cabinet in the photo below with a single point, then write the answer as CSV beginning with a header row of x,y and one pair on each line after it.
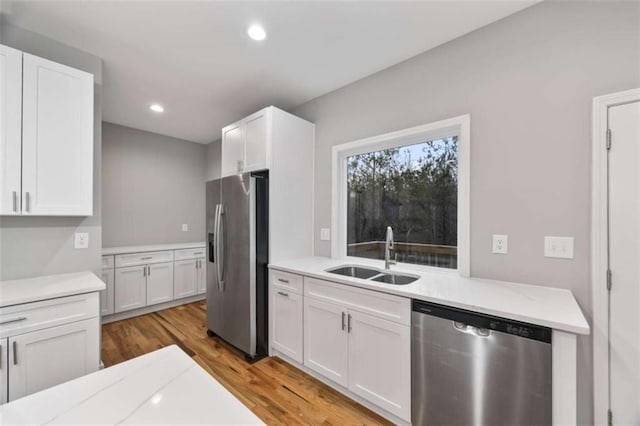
x,y
46,166
246,144
10,130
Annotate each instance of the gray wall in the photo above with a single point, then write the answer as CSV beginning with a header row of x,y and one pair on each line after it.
x,y
151,185
31,246
528,82
214,158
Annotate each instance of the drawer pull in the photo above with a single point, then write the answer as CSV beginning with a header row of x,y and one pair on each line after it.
x,y
147,258
282,280
283,294
197,253
15,353
13,320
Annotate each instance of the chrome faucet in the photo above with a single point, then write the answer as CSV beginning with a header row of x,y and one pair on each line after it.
x,y
388,247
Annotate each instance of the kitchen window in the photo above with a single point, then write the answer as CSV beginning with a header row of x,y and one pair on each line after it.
x,y
415,181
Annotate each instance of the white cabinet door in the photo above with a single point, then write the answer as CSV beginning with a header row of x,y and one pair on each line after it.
x,y
380,362
186,278
57,139
232,150
159,283
256,142
10,130
202,276
107,295
325,339
287,323
130,288
4,369
48,357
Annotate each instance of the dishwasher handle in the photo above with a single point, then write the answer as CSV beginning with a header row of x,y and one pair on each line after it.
x,y
470,329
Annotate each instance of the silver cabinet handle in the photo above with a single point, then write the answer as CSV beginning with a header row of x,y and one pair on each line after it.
x,y
144,271
282,280
15,202
15,353
27,201
147,258
148,271
13,320
349,323
343,315
283,294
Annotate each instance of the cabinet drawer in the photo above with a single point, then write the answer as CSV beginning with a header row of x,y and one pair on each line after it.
x,y
381,305
287,281
192,253
135,259
19,319
108,262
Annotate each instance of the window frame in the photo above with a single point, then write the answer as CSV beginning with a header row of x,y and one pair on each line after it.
x,y
459,126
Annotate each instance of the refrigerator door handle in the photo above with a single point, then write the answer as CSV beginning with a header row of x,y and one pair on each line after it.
x,y
219,259
223,229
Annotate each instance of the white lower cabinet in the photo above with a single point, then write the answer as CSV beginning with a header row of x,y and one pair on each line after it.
x,y
326,340
159,283
4,369
131,288
380,362
51,356
286,327
201,286
185,279
107,295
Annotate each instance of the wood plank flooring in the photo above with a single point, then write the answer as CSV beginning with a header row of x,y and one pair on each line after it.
x,y
275,391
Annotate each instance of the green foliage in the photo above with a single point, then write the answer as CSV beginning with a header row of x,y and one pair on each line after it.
x,y
413,189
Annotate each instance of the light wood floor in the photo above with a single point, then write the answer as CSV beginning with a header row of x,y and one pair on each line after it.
x,y
275,391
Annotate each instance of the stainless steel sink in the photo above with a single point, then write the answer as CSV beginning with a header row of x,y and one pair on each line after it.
x,y
354,271
395,279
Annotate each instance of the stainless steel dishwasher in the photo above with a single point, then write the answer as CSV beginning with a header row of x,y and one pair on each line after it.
x,y
473,369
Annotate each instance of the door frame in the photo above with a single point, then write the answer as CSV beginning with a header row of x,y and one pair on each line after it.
x,y
599,246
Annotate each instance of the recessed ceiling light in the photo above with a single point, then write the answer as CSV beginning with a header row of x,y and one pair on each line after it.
x,y
257,33
156,108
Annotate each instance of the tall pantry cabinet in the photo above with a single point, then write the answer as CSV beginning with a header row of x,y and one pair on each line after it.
x,y
46,137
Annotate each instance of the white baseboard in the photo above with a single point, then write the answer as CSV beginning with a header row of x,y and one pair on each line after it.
x,y
153,308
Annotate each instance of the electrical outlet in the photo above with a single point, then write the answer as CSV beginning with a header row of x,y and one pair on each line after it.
x,y
325,234
185,227
558,247
500,244
81,240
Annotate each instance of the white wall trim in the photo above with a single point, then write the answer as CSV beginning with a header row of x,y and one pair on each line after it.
x,y
460,126
599,264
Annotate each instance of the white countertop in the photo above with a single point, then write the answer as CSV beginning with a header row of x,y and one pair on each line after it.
x,y
156,247
547,306
162,387
28,290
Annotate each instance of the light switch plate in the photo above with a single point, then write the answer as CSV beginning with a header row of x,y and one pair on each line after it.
x,y
558,247
500,244
81,240
185,227
325,234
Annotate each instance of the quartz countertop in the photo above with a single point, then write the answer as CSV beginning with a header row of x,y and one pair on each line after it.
x,y
155,247
15,292
162,387
546,306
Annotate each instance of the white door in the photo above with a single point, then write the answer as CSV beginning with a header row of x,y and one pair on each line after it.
x,y
286,323
107,295
57,139
380,362
325,340
130,288
186,278
624,252
10,130
159,283
202,276
48,357
4,370
232,150
256,142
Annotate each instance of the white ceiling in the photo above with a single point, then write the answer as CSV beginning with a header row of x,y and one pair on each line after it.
x,y
195,58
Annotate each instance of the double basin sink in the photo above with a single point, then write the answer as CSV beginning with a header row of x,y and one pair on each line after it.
x,y
372,275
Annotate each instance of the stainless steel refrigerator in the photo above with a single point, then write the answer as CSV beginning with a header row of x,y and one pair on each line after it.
x,y
237,234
